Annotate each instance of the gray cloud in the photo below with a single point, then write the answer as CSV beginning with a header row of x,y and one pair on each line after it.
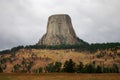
x,y
23,22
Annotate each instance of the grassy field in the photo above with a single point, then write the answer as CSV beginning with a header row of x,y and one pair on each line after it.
x,y
59,76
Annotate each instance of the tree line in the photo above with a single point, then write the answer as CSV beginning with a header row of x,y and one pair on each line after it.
x,y
82,47
70,67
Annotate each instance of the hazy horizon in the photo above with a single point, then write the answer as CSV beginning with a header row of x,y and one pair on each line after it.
x,y
23,22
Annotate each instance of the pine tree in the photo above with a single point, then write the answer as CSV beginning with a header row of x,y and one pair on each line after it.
x,y
80,67
69,66
1,70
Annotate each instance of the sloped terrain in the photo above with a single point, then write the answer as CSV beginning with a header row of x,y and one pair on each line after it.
x,y
32,59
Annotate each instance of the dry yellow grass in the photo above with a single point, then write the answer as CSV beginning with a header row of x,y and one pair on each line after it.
x,y
61,55
59,76
45,56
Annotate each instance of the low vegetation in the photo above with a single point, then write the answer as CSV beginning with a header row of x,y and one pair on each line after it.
x,y
93,58
72,67
68,67
85,47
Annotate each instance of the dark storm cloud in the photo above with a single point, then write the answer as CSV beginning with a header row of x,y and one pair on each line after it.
x,y
23,22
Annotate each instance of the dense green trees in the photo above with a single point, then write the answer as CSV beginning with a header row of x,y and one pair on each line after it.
x,y
98,69
53,67
38,70
83,47
5,52
80,67
50,68
115,68
57,66
89,68
1,70
16,68
69,66
14,49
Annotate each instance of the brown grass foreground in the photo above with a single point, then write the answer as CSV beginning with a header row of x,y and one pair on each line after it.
x,y
59,76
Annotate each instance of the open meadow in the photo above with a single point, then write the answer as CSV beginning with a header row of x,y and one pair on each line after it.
x,y
59,76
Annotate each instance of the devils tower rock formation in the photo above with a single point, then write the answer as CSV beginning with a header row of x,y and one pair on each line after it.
x,y
60,31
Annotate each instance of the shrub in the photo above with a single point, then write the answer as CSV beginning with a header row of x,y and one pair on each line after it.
x,y
69,66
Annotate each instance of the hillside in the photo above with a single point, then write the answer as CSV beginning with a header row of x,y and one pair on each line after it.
x,y
33,59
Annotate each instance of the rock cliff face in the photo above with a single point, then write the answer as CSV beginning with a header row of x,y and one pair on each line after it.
x,y
60,31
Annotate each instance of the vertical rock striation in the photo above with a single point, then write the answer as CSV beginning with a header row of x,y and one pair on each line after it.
x,y
60,31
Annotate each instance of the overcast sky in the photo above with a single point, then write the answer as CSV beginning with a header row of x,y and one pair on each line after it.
x,y
23,22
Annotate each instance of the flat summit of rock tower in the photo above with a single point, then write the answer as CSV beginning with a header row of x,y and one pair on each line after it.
x,y
60,31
